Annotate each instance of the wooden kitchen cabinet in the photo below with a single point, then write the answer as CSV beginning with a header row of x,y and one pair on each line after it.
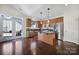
x,y
48,38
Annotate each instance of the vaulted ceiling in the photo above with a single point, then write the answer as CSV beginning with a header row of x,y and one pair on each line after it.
x,y
34,10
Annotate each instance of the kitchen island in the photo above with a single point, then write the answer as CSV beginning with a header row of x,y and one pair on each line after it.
x,y
47,37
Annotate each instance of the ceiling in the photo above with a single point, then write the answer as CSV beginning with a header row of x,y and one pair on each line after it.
x,y
34,10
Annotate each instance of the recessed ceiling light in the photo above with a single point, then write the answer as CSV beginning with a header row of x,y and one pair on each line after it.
x,y
66,4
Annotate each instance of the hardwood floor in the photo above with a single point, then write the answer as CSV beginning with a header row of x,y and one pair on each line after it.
x,y
32,46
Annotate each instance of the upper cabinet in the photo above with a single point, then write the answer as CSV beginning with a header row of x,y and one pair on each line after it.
x,y
56,20
28,22
50,21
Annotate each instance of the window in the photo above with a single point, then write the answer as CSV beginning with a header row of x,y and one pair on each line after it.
x,y
7,28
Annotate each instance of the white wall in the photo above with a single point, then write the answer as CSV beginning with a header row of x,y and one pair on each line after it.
x,y
1,29
71,24
24,27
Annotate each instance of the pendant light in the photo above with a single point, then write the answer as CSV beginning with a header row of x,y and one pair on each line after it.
x,y
41,15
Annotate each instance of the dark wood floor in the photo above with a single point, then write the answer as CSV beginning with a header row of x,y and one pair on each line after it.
x,y
31,46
